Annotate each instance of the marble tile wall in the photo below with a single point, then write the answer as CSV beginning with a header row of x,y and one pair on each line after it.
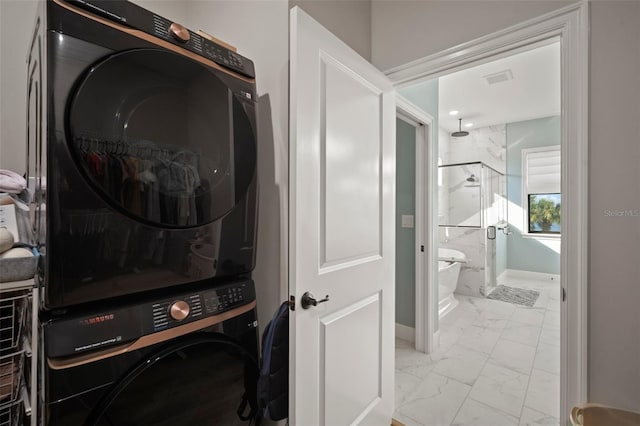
x,y
491,275
473,195
464,197
443,179
486,144
472,242
494,193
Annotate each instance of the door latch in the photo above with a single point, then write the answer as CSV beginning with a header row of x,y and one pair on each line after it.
x,y
308,300
292,302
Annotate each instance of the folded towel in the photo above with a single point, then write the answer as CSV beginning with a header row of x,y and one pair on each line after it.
x,y
11,182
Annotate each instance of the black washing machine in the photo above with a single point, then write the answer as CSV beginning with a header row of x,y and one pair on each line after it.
x,y
141,153
186,359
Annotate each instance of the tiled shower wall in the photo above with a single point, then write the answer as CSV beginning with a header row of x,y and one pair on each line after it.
x,y
489,145
486,144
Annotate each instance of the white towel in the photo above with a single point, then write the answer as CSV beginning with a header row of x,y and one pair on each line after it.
x,y
11,182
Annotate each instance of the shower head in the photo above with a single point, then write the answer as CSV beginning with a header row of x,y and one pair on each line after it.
x,y
473,180
460,133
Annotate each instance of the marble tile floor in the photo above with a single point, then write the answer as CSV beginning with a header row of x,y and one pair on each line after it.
x,y
497,364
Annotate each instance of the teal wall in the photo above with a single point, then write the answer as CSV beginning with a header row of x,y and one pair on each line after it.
x,y
528,254
405,237
425,96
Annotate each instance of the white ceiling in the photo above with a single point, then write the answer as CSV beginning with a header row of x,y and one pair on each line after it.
x,y
534,91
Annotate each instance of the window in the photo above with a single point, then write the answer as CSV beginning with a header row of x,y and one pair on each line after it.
x,y
544,213
541,187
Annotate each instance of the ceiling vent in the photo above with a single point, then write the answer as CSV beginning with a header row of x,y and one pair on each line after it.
x,y
499,77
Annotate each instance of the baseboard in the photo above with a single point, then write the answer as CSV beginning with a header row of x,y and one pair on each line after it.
x,y
515,273
405,333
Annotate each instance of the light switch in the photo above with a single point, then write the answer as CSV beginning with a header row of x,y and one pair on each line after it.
x,y
407,221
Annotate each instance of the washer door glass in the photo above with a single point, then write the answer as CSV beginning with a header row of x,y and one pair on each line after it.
x,y
162,138
189,384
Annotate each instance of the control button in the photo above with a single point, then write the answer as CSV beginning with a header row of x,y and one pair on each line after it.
x,y
179,310
179,32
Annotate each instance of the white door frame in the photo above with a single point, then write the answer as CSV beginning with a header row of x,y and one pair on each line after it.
x,y
571,26
425,226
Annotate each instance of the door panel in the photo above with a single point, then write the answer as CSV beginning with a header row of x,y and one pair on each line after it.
x,y
350,164
342,193
350,354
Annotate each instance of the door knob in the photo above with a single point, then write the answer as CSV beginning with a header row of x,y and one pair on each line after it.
x,y
308,300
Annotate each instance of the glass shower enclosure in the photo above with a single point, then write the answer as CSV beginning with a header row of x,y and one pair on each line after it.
x,y
472,215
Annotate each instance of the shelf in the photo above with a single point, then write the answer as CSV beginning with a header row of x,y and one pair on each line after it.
x,y
17,285
18,307
18,351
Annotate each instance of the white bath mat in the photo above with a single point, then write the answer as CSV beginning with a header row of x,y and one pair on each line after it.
x,y
518,296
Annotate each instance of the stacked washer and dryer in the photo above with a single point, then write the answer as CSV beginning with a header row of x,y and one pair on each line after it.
x,y
142,172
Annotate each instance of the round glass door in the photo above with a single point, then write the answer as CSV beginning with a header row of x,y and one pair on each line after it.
x,y
159,136
196,384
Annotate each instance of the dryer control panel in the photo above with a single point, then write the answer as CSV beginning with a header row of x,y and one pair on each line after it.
x,y
134,16
99,330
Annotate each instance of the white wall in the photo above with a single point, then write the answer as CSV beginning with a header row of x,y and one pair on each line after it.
x,y
614,178
16,23
350,20
403,31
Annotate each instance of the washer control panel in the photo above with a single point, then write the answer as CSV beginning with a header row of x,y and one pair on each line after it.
x,y
108,327
177,311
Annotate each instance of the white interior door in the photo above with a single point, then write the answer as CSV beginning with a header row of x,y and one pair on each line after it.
x,y
342,206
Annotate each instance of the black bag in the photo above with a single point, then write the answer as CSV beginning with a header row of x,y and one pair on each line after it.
x,y
273,383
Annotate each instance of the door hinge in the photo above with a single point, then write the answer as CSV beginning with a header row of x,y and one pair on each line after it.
x,y
292,302
564,294
422,249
